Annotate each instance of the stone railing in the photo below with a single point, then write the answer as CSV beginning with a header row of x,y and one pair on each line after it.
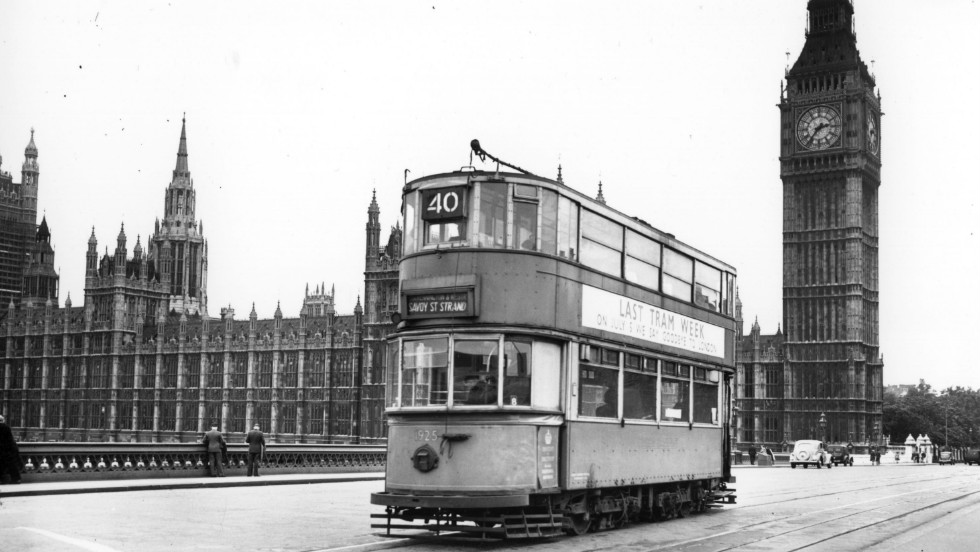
x,y
63,461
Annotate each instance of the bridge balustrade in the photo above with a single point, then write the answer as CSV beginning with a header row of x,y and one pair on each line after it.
x,y
69,461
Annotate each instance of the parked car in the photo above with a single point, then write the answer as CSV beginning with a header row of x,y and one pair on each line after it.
x,y
946,456
971,456
840,456
807,453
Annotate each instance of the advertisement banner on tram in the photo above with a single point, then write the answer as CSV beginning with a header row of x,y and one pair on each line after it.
x,y
602,310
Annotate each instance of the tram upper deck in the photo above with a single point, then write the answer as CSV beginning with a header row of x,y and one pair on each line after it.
x,y
504,248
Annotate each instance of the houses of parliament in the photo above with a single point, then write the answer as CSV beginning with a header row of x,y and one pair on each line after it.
x,y
141,358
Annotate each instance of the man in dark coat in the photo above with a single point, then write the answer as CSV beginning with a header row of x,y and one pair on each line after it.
x,y
256,450
215,444
10,464
752,453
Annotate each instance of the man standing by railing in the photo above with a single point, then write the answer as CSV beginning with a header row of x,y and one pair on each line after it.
x,y
215,444
256,450
9,454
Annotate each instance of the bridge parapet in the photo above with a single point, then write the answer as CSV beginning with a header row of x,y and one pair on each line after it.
x,y
65,461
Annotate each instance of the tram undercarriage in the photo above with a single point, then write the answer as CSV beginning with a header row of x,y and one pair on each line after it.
x,y
551,515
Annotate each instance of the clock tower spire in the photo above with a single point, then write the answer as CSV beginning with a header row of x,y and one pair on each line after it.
x,y
830,166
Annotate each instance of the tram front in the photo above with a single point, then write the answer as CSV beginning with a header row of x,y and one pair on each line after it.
x,y
474,366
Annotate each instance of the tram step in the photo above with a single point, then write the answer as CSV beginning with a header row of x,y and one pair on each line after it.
x,y
726,497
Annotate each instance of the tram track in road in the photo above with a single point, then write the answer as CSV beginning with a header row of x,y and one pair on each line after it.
x,y
891,519
896,482
701,541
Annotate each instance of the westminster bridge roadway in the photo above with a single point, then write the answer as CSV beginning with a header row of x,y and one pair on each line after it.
x,y
888,507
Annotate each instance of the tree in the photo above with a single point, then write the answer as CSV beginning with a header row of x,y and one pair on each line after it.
x,y
951,417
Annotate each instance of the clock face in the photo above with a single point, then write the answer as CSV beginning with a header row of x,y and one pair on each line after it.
x,y
818,128
872,134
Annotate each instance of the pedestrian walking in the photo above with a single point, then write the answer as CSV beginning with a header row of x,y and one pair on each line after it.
x,y
215,444
10,464
256,450
752,453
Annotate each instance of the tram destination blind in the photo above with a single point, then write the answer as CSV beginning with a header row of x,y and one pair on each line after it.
x,y
453,303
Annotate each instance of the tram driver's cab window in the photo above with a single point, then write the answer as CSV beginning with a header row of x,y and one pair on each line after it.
x,y
598,392
675,392
468,371
475,374
425,372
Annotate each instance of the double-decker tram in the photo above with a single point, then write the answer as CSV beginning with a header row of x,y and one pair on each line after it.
x,y
557,365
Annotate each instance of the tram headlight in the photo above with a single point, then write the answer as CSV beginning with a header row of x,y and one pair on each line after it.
x,y
425,459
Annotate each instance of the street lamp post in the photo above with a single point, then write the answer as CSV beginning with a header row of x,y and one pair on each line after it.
x,y
823,426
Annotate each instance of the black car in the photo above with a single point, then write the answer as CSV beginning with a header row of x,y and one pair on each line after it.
x,y
840,456
971,456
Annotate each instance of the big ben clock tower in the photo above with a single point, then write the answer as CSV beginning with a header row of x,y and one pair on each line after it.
x,y
830,166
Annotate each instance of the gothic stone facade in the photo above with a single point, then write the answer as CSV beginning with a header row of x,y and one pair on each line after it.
x,y
141,359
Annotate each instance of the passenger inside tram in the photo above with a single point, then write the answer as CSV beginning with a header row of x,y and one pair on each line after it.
x,y
479,390
608,408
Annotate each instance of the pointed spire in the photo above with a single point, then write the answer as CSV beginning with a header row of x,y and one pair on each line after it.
x,y
43,233
31,149
278,311
560,180
68,301
253,314
91,240
181,168
357,308
373,208
600,198
121,238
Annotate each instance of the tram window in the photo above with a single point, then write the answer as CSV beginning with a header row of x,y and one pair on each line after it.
x,y
567,229
598,391
475,372
602,243
391,383
525,234
526,191
546,386
517,372
493,215
707,285
639,395
705,403
408,242
728,300
425,372
675,392
549,222
445,232
642,260
678,272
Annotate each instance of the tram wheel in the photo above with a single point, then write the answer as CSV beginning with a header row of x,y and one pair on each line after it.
x,y
578,524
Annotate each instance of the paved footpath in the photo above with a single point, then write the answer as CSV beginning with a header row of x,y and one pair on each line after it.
x,y
121,485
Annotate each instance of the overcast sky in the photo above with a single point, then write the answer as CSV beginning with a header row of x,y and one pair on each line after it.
x,y
297,111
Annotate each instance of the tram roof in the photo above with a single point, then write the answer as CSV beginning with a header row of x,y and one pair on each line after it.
x,y
634,223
